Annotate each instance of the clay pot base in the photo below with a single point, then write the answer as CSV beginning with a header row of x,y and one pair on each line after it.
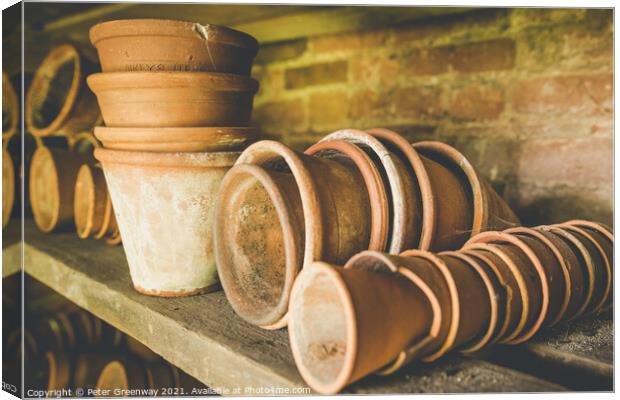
x,y
181,293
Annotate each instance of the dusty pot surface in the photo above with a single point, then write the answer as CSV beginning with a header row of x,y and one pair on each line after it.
x,y
58,101
168,45
53,173
400,187
493,294
8,186
10,107
423,201
339,333
520,251
558,271
490,212
164,204
346,152
205,139
258,235
173,99
602,268
382,262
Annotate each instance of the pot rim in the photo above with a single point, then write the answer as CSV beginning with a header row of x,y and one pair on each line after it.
x,y
454,299
10,96
558,255
379,205
85,172
267,150
600,227
171,27
608,283
395,182
112,365
351,349
52,61
169,134
423,183
40,152
277,317
196,81
107,217
407,354
494,237
7,207
170,160
481,340
587,263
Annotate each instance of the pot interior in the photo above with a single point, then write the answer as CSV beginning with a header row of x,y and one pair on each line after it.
x,y
53,90
320,327
256,248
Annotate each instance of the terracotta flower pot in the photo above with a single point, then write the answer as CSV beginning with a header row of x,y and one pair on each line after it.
x,y
382,262
123,374
10,107
586,265
92,207
520,250
59,370
339,333
173,99
602,268
53,173
557,271
167,45
164,204
425,200
605,237
258,236
346,152
176,139
58,101
8,186
488,211
494,292
401,188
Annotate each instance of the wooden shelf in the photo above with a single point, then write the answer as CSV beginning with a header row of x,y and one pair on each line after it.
x,y
203,336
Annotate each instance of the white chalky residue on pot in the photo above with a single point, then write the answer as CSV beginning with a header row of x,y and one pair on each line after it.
x,y
203,31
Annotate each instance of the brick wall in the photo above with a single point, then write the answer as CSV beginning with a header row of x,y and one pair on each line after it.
x,y
527,94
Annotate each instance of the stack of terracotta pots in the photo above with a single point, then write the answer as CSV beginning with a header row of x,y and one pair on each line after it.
x,y
176,99
279,210
381,311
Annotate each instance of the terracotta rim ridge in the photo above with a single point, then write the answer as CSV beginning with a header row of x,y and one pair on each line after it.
x,y
181,160
379,204
269,150
166,27
602,228
407,354
351,349
516,272
171,134
40,152
454,299
427,202
608,283
493,237
278,315
505,287
582,255
398,220
565,271
53,60
482,340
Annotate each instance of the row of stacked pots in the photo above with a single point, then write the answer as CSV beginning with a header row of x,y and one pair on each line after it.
x,y
381,311
279,210
176,98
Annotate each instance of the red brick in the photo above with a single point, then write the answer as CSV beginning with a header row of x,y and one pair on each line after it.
x,y
328,109
371,68
477,102
492,55
433,61
565,94
349,41
418,101
282,116
575,163
365,104
316,74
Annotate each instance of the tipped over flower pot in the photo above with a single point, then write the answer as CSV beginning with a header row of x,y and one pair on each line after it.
x,y
339,333
173,99
164,204
168,45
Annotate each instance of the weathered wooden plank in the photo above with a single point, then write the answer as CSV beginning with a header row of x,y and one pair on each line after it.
x,y
203,336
